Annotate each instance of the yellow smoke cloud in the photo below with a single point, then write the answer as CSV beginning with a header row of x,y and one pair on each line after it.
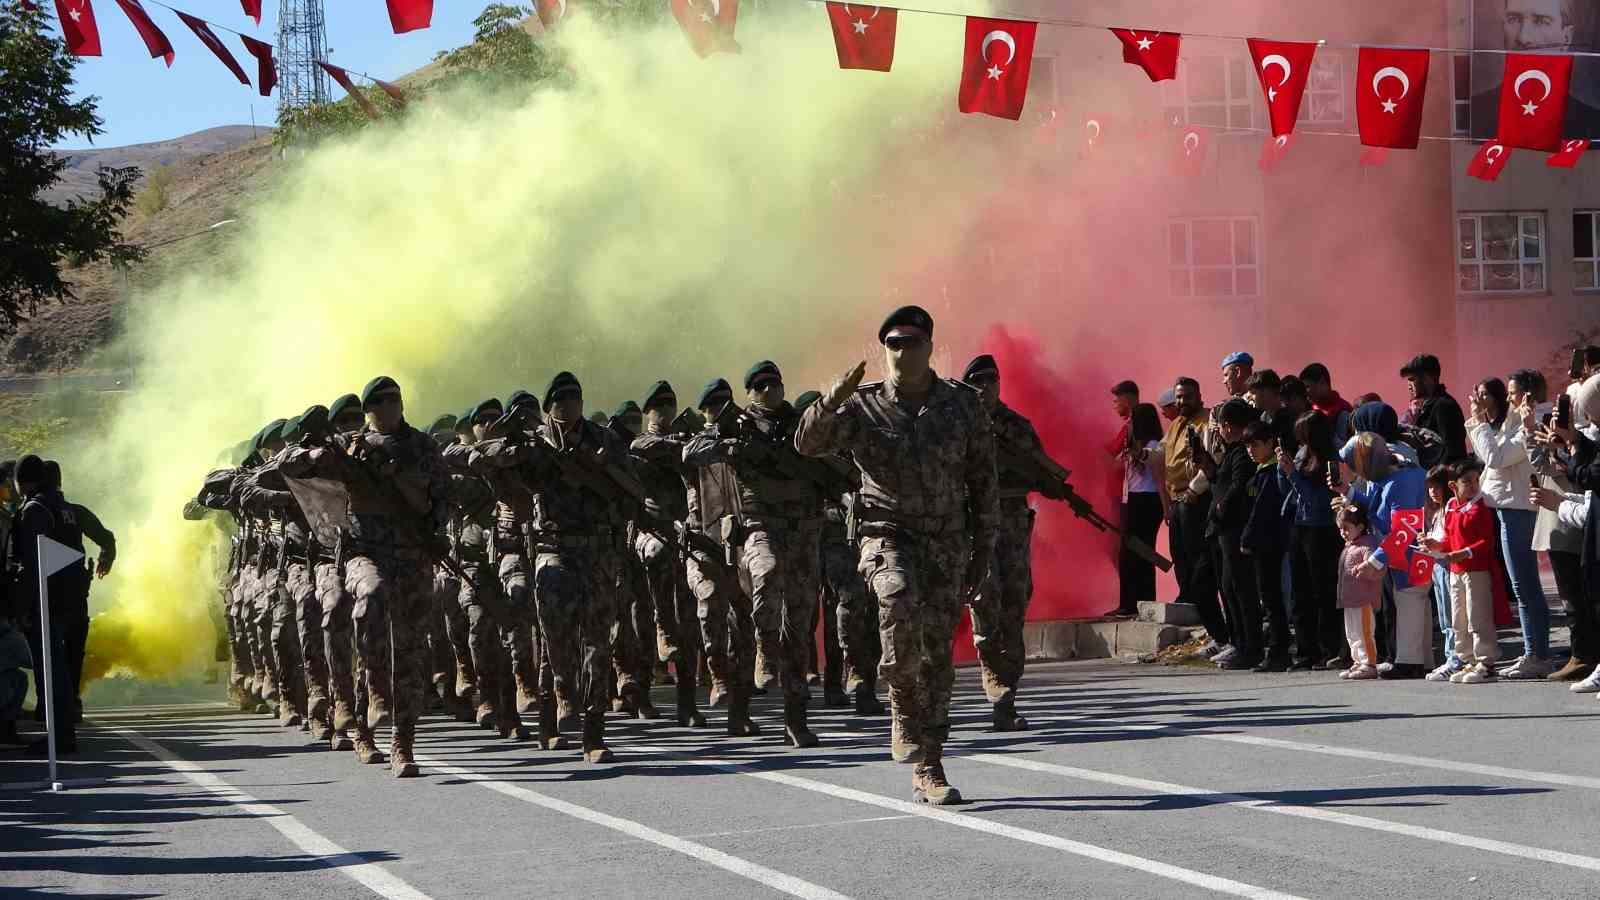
x,y
666,217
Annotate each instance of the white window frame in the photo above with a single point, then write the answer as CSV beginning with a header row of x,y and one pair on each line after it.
x,y
1520,260
1325,60
1594,261
1189,266
1241,92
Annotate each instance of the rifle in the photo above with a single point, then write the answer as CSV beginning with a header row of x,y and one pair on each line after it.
x,y
762,432
1049,478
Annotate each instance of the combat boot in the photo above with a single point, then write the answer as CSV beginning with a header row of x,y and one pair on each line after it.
x,y
511,728
594,740
549,734
642,707
905,744
867,702
343,719
401,763
339,740
318,710
929,785
486,717
1005,715
240,698
566,718
377,711
719,694
833,694
367,749
739,721
287,717
795,731
688,716
527,698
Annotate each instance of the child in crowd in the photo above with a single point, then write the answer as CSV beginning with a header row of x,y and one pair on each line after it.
x,y
1360,590
1468,546
1439,478
1263,541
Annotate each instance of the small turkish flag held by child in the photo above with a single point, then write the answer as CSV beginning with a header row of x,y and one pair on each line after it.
x,y
1571,151
1421,571
1489,161
1404,527
78,27
863,35
995,65
1156,52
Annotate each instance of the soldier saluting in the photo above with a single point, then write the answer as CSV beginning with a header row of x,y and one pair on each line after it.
x,y
928,513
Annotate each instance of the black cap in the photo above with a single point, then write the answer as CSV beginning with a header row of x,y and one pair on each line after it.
x,y
765,370
716,392
30,469
982,366
338,407
446,422
806,399
563,383
909,317
1425,364
660,392
383,384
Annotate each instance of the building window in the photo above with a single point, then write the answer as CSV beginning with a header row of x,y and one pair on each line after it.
x,y
1500,253
1213,91
1586,250
1214,256
1461,111
1324,97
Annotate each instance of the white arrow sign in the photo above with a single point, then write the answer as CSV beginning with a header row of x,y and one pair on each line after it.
x,y
55,556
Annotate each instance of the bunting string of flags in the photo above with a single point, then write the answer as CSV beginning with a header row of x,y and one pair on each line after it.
x,y
1390,82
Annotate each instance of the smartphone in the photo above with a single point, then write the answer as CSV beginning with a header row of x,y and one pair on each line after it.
x,y
1333,474
1564,411
1533,481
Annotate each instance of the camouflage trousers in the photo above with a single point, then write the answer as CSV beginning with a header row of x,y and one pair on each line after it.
x,y
1001,605
447,637
487,633
396,586
727,627
242,673
850,621
347,670
255,612
521,632
917,580
300,588
577,611
287,666
783,569
633,645
677,637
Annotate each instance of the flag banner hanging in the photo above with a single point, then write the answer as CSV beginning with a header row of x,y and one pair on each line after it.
x,y
1273,150
155,40
78,27
390,89
1390,87
266,66
995,65
1489,161
1571,151
708,24
1283,68
1533,100
252,8
410,15
1156,52
863,36
550,11
203,31
343,78
1193,144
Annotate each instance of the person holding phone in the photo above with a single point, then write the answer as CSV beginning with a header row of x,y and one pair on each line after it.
x,y
1314,546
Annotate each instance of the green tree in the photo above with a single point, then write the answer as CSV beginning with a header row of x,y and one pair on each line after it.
x,y
156,192
502,52
36,111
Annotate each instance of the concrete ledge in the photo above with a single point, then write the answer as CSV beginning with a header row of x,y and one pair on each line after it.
x,y
1169,613
1096,638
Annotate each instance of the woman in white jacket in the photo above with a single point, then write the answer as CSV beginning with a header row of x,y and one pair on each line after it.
x,y
1498,439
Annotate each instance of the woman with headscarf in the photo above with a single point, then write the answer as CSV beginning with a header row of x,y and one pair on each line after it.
x,y
1388,485
1380,419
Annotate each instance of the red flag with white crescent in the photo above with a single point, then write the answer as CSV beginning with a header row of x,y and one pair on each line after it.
x,y
202,30
1283,67
266,66
1489,161
1273,150
1533,100
79,27
1571,151
708,24
995,66
863,35
155,40
252,8
1390,88
343,78
410,15
1421,569
1156,52
550,11
1193,144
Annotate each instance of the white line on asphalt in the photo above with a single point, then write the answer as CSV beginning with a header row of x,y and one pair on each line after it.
x,y
370,875
1404,759
996,829
1205,795
772,878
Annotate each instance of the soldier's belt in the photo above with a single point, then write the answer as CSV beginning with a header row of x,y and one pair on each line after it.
x,y
879,521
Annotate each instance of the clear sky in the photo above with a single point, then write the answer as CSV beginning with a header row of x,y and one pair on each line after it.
x,y
142,100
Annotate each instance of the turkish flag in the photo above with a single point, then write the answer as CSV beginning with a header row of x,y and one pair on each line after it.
x,y
1390,86
393,91
1405,525
708,24
266,66
209,38
1533,100
865,40
1273,150
1374,156
343,77
252,8
410,15
994,69
1489,161
155,40
1421,569
1283,67
78,27
550,11
1156,52
1571,151
1193,144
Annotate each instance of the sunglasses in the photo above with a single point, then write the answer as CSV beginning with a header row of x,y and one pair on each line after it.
x,y
902,343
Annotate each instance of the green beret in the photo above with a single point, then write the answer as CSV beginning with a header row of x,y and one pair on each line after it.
x,y
314,421
563,383
290,432
766,370
982,366
490,405
338,407
660,392
806,399
464,421
716,392
381,384
909,316
519,398
627,408
446,423
272,432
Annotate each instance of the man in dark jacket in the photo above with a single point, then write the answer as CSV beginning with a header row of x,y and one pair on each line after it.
x,y
1230,511
45,513
1440,412
77,624
1263,542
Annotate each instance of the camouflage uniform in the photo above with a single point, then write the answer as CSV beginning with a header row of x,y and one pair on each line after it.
x,y
486,620
658,458
1001,603
727,625
850,622
928,481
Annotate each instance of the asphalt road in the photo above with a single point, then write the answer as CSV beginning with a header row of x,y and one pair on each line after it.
x,y
1139,781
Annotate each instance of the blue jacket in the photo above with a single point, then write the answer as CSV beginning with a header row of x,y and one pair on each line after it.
x,y
1310,497
1405,487
1263,531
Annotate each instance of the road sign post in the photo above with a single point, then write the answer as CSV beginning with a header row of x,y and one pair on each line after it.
x,y
53,556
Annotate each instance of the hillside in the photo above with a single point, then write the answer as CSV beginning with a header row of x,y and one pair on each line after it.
x,y
79,176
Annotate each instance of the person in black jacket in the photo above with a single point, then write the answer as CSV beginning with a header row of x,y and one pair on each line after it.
x,y
1440,412
44,512
1263,543
76,625
1231,506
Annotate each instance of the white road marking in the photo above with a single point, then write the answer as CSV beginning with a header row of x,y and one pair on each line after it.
x,y
1206,795
996,829
370,875
772,878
